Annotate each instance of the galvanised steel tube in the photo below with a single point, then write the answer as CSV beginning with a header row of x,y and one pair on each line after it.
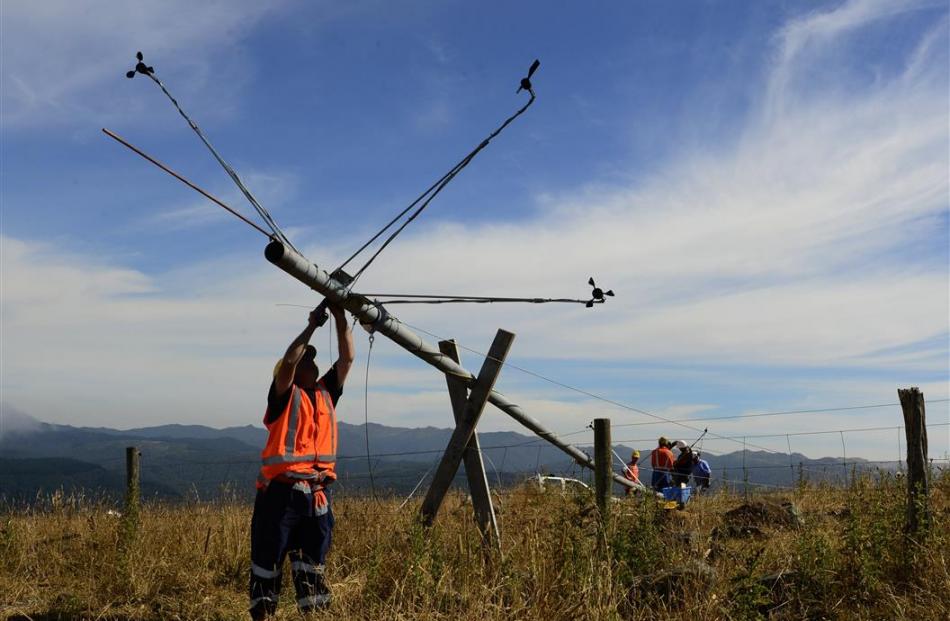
x,y
386,324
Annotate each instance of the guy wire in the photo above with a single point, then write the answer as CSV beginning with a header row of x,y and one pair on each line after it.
x,y
369,463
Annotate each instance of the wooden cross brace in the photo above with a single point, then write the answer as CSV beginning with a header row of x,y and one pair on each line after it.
x,y
467,407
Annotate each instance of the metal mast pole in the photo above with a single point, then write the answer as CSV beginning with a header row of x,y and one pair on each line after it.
x,y
366,312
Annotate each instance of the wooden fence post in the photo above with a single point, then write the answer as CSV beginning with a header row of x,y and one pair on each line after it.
x,y
918,486
603,482
745,474
130,516
472,458
465,428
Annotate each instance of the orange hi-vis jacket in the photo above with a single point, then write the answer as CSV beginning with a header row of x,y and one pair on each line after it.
x,y
662,459
632,472
301,441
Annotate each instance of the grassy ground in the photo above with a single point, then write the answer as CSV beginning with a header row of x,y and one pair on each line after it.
x,y
849,559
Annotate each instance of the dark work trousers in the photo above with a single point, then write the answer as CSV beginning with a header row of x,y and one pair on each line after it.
x,y
285,521
660,479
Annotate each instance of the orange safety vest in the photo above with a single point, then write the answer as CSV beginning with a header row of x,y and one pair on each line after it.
x,y
302,440
662,459
632,472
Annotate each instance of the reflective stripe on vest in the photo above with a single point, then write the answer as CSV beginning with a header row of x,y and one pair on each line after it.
x,y
289,441
328,458
287,459
302,438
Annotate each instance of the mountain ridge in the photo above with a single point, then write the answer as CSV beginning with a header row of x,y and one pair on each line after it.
x,y
185,460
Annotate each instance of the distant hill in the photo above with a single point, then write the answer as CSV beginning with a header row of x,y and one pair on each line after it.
x,y
22,479
183,461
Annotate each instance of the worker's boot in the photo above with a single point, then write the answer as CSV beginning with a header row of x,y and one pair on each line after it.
x,y
263,609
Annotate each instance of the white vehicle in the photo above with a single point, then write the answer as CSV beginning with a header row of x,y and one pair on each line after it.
x,y
563,482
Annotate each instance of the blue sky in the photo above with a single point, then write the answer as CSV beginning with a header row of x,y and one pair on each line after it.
x,y
764,184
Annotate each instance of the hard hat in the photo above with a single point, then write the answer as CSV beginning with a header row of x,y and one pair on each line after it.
x,y
635,455
663,441
679,444
277,367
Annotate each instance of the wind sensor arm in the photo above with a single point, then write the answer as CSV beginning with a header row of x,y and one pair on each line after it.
x,y
426,197
149,72
597,297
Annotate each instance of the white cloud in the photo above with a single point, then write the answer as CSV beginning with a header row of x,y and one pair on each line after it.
x,y
785,249
197,213
806,41
83,340
270,188
65,62
788,248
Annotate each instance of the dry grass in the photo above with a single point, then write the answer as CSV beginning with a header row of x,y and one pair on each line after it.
x,y
73,560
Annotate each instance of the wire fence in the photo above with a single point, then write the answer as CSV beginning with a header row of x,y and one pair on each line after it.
x,y
209,478
401,469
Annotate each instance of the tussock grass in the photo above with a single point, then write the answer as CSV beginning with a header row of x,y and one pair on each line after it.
x,y
68,558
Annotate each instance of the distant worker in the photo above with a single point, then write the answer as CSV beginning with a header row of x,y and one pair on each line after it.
x,y
292,510
661,460
701,472
632,471
683,466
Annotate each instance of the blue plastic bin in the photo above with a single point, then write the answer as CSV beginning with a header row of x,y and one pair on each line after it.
x,y
679,494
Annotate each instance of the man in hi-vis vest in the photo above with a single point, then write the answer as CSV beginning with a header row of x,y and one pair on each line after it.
x,y
292,511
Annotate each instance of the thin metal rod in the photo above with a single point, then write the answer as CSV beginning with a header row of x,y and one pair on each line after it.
x,y
389,326
174,174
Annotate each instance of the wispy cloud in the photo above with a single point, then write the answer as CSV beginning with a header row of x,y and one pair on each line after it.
x,y
273,189
199,213
74,70
434,116
811,39
800,245
787,248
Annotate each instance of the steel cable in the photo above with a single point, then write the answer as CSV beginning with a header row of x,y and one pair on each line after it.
x,y
369,464
264,214
431,192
